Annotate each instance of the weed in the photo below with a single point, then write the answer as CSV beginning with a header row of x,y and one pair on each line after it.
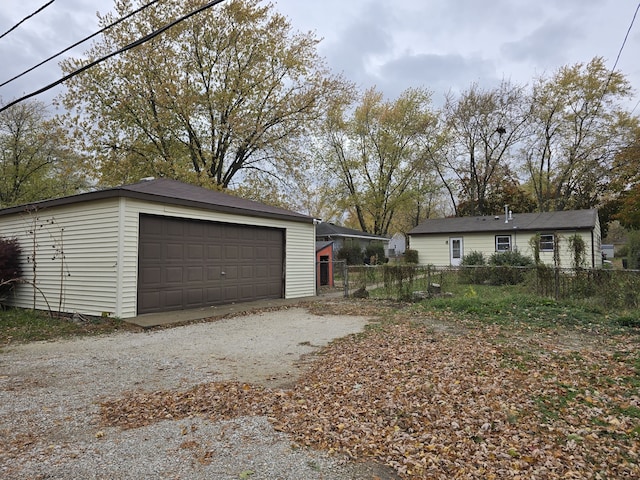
x,y
23,325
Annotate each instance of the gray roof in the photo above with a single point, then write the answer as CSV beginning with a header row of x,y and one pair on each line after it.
x,y
538,222
173,192
321,245
329,230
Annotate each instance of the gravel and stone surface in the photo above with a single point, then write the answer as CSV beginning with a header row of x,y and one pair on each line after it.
x,y
50,394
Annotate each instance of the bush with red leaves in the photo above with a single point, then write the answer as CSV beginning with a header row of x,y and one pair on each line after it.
x,y
10,268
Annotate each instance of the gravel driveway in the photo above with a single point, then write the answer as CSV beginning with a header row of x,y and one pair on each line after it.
x,y
49,395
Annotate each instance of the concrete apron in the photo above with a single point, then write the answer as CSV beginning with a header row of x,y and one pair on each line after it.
x,y
150,320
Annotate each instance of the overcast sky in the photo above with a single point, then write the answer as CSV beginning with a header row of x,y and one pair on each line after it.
x,y
443,45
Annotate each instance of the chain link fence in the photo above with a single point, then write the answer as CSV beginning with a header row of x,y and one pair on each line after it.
x,y
608,287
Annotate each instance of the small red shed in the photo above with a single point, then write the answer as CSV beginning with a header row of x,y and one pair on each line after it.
x,y
324,264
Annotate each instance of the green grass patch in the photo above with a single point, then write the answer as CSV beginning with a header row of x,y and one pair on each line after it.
x,y
23,325
508,305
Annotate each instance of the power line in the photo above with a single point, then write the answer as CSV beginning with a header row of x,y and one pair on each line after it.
x,y
624,42
615,64
137,43
78,43
26,18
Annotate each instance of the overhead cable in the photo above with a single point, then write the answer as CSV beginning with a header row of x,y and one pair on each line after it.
x,y
80,42
615,64
137,43
26,18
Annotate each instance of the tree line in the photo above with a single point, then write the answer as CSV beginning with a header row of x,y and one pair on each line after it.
x,y
235,99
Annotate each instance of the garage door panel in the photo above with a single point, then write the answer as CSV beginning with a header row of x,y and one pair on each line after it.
x,y
213,295
175,229
175,251
151,275
194,297
173,299
231,253
214,273
260,271
196,229
231,291
230,274
150,298
151,250
173,275
195,274
214,252
195,251
189,263
247,272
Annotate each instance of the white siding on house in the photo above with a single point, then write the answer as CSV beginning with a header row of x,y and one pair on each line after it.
x,y
433,249
85,279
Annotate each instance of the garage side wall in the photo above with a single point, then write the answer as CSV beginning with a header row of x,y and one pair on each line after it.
x,y
76,257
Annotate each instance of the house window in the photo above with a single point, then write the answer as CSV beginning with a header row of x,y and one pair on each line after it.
x,y
546,242
503,243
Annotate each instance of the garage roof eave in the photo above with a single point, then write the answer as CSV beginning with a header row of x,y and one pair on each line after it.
x,y
172,192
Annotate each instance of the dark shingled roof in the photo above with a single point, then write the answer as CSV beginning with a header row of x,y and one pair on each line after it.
x,y
173,192
539,222
330,230
321,245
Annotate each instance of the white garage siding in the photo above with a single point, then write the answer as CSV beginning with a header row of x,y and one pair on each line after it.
x,y
100,244
86,279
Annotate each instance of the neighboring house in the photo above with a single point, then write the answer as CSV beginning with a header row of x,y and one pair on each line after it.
x,y
341,236
158,245
397,245
324,264
445,241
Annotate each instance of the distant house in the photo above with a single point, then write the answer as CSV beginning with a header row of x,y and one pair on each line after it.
x,y
445,241
397,245
341,236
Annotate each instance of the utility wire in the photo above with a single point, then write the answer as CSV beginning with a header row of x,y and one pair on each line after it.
x,y
626,37
26,18
78,43
137,43
615,64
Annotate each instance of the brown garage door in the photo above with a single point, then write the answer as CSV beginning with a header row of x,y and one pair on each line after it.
x,y
188,263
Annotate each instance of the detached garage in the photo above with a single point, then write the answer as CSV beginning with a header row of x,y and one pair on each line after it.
x,y
158,245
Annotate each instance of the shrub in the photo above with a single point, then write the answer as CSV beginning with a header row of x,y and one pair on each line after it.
x,y
511,259
410,256
633,249
578,250
375,253
508,268
473,271
10,269
351,253
474,259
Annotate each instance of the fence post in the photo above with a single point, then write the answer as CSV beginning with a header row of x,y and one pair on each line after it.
x,y
345,270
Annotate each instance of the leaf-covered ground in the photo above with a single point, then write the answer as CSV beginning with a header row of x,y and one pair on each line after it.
x,y
440,398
